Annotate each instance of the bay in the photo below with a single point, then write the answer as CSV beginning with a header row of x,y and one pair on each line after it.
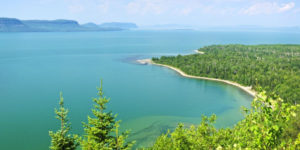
x,y
35,67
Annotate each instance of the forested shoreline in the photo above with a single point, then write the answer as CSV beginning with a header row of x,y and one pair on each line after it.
x,y
274,68
272,122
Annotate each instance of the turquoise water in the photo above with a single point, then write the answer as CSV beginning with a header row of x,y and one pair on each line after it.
x,y
35,67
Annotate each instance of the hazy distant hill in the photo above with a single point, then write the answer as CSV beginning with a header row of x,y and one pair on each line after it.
x,y
93,26
237,28
9,24
252,28
53,25
16,25
168,27
119,25
90,25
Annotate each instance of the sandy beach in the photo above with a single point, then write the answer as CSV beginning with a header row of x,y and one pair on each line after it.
x,y
199,52
246,89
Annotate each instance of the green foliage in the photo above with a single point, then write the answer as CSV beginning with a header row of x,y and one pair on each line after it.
x,y
294,126
61,140
264,127
275,68
102,131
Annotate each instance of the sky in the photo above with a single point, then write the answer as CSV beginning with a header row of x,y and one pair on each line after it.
x,y
268,13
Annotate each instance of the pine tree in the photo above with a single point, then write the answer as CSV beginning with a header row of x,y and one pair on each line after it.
x,y
100,130
61,140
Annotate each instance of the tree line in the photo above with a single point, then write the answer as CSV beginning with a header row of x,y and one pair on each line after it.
x,y
275,68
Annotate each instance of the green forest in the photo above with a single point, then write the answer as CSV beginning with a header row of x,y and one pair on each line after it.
x,y
275,68
272,122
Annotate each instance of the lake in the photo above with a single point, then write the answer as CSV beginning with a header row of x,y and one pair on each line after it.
x,y
35,67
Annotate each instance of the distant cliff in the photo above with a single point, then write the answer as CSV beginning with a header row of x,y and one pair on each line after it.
x,y
10,25
55,25
16,25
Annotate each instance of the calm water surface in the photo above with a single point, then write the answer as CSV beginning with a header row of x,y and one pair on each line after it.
x,y
35,67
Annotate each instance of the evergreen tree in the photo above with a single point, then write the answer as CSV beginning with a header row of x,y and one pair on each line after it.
x,y
102,131
61,140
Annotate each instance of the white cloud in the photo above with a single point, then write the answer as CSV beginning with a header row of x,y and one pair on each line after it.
x,y
268,8
287,7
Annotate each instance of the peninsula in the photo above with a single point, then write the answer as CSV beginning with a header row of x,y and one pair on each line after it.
x,y
244,88
251,68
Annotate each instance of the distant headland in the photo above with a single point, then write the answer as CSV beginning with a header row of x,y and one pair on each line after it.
x,y
60,25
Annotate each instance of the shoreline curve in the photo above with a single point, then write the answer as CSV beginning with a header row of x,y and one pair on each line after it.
x,y
247,89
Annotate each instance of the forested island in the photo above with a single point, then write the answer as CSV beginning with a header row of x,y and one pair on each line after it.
x,y
273,122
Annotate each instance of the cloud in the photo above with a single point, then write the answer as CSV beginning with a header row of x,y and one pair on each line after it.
x,y
268,8
287,7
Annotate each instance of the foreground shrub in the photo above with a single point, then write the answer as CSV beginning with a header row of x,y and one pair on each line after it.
x,y
264,127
